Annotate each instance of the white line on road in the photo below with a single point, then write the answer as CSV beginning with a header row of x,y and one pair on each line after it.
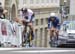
x,y
43,51
9,48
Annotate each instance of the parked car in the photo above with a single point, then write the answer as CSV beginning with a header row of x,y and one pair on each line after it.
x,y
67,34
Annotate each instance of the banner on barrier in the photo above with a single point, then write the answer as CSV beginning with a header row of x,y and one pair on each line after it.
x,y
10,32
3,29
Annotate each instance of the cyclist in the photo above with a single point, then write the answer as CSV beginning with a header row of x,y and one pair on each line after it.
x,y
28,18
53,25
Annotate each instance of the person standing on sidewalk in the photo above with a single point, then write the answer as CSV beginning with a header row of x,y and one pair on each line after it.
x,y
2,12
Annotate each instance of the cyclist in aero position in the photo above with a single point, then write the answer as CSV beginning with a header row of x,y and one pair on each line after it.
x,y
28,18
53,25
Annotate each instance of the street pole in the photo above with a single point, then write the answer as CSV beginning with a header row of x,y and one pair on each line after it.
x,y
63,11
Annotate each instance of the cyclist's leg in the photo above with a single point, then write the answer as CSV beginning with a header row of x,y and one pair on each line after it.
x,y
56,37
51,33
31,37
32,29
52,37
32,26
57,32
24,31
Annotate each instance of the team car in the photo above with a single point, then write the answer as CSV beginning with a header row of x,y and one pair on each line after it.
x,y
66,36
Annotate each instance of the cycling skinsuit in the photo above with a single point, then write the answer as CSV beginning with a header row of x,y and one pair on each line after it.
x,y
54,23
28,16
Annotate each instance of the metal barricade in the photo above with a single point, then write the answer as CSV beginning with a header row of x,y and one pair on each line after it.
x,y
10,33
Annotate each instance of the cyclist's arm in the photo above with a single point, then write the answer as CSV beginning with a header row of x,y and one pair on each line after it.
x,y
32,17
49,23
58,24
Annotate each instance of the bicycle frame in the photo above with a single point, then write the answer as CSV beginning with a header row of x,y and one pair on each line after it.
x,y
53,38
27,35
53,33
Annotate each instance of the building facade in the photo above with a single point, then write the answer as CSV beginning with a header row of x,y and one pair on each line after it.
x,y
72,10
42,10
64,9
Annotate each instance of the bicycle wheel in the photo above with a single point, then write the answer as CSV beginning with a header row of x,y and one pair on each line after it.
x,y
29,38
24,40
24,37
53,41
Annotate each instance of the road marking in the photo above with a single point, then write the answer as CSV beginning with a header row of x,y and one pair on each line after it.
x,y
9,48
43,51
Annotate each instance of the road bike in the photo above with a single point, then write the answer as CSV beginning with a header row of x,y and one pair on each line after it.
x,y
53,39
27,36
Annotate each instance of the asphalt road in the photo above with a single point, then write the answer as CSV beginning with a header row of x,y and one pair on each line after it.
x,y
37,50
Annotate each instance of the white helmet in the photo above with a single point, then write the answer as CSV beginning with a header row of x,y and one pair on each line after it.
x,y
24,6
52,14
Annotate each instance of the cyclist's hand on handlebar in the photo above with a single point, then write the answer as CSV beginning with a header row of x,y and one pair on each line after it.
x,y
53,28
30,24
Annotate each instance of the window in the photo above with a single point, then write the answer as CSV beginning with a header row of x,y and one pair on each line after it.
x,y
41,35
46,20
36,21
41,32
45,35
31,1
41,21
36,34
67,10
45,31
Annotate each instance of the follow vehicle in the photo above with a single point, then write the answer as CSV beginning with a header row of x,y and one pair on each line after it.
x,y
67,34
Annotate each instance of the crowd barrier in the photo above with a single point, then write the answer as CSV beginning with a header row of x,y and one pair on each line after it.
x,y
10,32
